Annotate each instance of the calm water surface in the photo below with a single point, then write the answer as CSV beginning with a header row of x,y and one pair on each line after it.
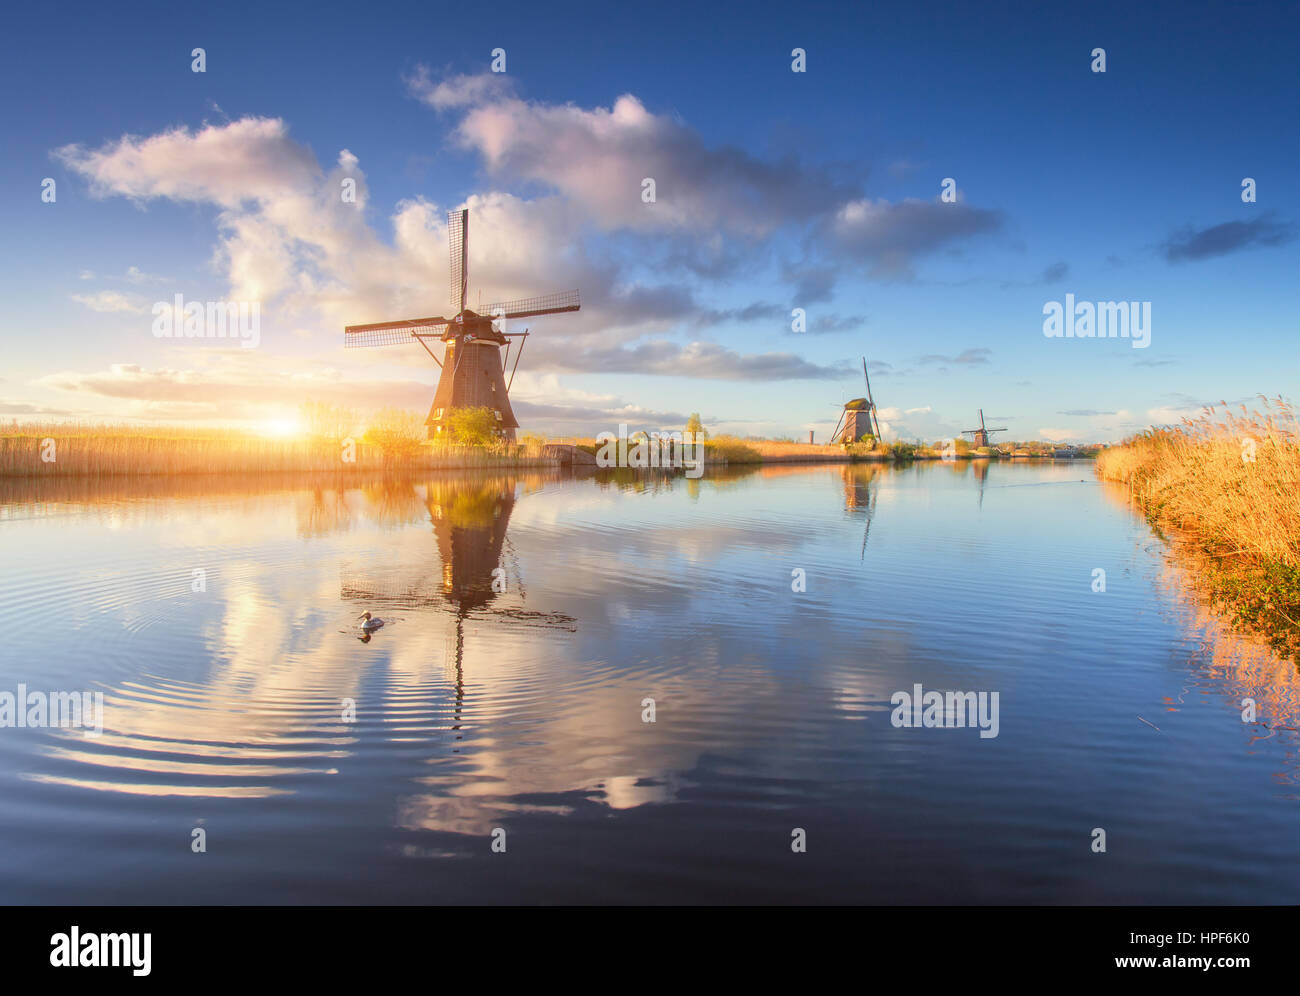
x,y
479,708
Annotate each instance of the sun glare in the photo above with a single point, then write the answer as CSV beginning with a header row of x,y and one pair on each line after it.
x,y
280,427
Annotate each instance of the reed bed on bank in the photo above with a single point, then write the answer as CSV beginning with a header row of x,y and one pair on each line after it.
x,y
781,451
1226,487
60,449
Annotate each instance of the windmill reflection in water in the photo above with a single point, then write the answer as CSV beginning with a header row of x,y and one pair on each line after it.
x,y
860,496
469,517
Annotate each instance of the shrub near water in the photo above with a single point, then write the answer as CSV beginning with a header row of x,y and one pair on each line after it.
x,y
903,451
471,427
1229,486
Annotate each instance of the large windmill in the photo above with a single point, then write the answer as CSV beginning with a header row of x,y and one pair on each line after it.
x,y
858,416
473,366
980,436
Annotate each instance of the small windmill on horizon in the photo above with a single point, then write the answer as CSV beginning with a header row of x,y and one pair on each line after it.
x,y
473,366
980,436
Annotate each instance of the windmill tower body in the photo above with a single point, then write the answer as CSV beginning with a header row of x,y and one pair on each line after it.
x,y
473,376
857,425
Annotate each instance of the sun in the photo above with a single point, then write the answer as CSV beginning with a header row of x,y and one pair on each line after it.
x,y
281,428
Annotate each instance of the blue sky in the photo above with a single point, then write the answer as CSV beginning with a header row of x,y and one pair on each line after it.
x,y
775,190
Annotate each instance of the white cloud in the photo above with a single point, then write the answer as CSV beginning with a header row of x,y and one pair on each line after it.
x,y
1060,435
888,237
231,387
287,239
251,159
137,276
285,231
459,91
599,157
108,302
1172,415
229,379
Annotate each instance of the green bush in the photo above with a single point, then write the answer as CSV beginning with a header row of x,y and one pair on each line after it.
x,y
903,451
471,427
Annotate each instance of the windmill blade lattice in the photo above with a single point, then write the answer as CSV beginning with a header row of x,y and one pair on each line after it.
x,y
528,307
392,333
458,243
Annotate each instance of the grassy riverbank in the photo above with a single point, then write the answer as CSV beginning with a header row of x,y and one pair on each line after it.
x,y
393,443
1226,489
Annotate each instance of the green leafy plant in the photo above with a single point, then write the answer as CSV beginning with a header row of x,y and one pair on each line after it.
x,y
693,424
471,427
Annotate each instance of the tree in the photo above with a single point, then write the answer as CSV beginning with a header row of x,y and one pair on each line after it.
x,y
471,427
694,425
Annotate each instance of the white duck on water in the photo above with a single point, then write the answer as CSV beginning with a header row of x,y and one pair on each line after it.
x,y
369,623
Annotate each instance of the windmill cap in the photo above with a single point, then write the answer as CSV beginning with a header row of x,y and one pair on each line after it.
x,y
856,405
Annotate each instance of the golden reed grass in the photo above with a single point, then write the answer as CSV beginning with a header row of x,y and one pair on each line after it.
x,y
747,450
775,451
113,450
1226,486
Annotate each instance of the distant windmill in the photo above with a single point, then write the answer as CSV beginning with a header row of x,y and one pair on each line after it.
x,y
473,368
857,416
980,436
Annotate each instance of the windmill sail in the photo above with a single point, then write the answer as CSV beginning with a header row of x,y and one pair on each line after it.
x,y
528,307
870,400
392,333
458,242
